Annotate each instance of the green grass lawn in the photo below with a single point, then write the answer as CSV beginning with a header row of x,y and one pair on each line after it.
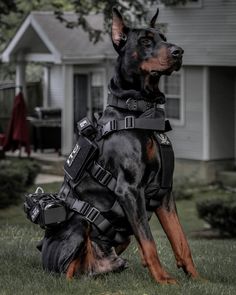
x,y
21,271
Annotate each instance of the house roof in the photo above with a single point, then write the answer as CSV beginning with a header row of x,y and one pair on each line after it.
x,y
41,37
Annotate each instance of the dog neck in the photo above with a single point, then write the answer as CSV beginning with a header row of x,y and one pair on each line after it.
x,y
123,89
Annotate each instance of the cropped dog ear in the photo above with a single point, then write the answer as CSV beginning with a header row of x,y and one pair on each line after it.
x,y
153,20
119,30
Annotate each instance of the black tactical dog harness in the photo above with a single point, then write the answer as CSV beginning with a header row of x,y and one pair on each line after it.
x,y
83,159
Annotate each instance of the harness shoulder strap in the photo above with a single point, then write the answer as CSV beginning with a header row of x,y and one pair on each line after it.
x,y
156,191
167,159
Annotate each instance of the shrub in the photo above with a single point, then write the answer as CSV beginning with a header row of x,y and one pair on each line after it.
x,y
15,176
220,213
183,188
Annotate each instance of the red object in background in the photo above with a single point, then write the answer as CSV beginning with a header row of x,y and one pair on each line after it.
x,y
2,139
18,132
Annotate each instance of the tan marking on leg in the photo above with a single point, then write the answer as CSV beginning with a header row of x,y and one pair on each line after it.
x,y
153,263
89,260
73,267
141,255
173,229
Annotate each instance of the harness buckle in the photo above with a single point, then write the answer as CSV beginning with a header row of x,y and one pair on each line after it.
x,y
81,207
113,125
85,208
92,214
109,127
132,104
103,176
129,122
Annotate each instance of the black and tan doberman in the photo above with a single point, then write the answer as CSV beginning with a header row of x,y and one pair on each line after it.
x,y
133,158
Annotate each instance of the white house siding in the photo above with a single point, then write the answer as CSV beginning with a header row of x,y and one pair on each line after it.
x,y
56,97
207,34
188,139
222,113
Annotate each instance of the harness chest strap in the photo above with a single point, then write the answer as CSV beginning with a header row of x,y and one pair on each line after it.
x,y
130,122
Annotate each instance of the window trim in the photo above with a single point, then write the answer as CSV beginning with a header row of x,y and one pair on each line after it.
x,y
181,121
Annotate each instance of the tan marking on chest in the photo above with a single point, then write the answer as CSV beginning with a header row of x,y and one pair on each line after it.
x,y
151,149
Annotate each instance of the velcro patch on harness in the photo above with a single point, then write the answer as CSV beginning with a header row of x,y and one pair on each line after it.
x,y
162,139
167,159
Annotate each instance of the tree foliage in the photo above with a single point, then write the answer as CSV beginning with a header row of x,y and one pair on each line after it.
x,y
13,11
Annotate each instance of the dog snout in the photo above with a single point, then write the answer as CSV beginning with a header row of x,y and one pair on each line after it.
x,y
176,52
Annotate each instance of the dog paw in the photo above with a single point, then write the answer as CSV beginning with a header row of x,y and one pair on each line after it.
x,y
121,264
168,281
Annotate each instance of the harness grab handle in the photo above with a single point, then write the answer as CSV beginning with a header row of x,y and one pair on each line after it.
x,y
39,190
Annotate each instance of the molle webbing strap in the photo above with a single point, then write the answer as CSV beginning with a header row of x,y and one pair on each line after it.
x,y
102,175
130,122
90,213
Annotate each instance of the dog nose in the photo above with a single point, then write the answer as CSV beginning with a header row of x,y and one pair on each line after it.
x,y
176,51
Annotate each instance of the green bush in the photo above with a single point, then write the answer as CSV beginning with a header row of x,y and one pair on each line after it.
x,y
183,188
15,176
220,213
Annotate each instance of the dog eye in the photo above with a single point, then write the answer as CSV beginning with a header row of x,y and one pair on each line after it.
x,y
146,42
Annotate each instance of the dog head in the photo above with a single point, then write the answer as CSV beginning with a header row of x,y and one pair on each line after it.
x,y
144,54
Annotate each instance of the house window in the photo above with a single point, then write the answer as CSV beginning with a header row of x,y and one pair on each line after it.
x,y
172,88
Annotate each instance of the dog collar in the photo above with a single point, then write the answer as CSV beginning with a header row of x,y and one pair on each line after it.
x,y
131,104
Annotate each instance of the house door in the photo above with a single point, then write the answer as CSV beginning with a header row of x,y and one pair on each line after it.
x,y
89,94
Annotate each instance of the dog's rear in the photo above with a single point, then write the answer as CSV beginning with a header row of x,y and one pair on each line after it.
x,y
133,158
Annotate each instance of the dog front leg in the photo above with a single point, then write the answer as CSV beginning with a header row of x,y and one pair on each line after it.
x,y
139,223
168,217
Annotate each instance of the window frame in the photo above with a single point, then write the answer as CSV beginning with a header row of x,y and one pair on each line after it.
x,y
181,120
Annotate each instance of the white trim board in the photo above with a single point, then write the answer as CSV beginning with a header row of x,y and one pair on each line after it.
x,y
30,21
205,111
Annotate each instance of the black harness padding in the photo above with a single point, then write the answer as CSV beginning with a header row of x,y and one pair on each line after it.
x,y
167,159
154,192
130,122
102,175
